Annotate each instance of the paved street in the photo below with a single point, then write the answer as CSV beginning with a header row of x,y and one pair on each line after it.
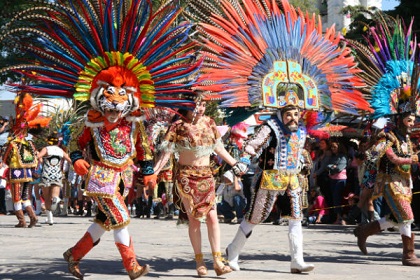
x,y
36,253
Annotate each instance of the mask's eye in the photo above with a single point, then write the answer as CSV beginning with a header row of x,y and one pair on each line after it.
x,y
111,89
122,91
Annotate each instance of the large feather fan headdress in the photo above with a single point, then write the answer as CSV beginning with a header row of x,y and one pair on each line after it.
x,y
390,67
72,42
255,46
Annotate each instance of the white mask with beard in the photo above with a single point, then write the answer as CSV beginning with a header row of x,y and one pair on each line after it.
x,y
290,118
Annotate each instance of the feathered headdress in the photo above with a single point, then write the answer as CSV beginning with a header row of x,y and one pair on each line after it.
x,y
74,42
255,49
27,115
390,67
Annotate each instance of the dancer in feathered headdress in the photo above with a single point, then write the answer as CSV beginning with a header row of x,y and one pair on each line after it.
x,y
262,55
255,49
391,70
120,56
20,155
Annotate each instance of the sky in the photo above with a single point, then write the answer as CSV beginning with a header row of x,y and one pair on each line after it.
x,y
389,4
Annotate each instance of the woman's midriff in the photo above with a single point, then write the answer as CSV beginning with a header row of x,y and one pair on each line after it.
x,y
190,159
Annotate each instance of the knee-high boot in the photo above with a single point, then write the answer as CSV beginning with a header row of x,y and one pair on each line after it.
x,y
65,211
32,216
130,263
297,264
362,232
234,248
409,257
76,253
21,218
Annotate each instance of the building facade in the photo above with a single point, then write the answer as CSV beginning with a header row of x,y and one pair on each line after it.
x,y
330,11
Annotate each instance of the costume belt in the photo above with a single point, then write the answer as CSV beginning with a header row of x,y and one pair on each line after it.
x,y
107,166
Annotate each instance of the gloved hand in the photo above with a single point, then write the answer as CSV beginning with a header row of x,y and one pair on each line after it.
x,y
81,167
240,168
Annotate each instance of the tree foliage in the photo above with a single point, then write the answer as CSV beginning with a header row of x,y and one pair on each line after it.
x,y
407,9
363,17
309,6
8,54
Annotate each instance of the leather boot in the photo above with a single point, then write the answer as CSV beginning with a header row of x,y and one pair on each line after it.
x,y
21,218
234,249
297,264
219,267
362,232
76,253
32,216
409,257
130,263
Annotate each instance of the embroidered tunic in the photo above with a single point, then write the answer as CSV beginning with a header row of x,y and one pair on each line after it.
x,y
280,152
21,159
394,181
111,153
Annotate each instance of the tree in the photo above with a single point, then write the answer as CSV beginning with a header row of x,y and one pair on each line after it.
x,y
407,9
309,6
361,19
9,54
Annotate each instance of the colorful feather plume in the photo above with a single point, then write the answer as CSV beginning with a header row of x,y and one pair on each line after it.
x,y
243,40
390,65
71,41
28,115
312,121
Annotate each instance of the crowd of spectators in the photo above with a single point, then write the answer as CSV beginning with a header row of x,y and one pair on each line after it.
x,y
333,193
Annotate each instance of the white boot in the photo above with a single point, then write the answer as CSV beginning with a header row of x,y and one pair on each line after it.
x,y
38,206
64,211
235,247
297,265
55,202
49,219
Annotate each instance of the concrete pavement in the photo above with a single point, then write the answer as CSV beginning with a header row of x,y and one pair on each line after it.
x,y
36,254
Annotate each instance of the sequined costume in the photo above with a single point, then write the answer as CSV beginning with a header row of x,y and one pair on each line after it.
x,y
21,159
279,150
194,183
393,181
20,156
111,174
